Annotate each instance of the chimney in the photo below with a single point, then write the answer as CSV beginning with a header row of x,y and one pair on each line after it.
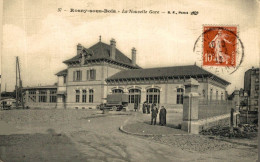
x,y
79,48
133,56
113,49
82,61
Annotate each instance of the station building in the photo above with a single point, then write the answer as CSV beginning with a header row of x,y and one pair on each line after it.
x,y
102,69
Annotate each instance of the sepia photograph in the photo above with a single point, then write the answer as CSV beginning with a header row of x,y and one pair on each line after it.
x,y
134,81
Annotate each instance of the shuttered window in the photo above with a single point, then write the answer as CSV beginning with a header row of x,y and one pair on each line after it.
x,y
91,74
77,75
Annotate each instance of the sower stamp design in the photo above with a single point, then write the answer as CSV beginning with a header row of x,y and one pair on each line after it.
x,y
219,49
219,46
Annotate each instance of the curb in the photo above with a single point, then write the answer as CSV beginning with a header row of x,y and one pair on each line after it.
x,y
121,128
136,134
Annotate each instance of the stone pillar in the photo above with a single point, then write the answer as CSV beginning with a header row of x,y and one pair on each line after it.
x,y
190,107
37,96
26,97
143,96
60,101
48,96
236,100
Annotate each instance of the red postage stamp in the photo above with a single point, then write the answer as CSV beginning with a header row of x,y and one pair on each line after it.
x,y
219,46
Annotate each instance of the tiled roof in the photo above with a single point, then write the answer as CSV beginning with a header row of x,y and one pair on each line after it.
x,y
175,71
62,72
102,50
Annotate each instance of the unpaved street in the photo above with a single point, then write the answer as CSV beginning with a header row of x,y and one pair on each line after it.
x,y
87,135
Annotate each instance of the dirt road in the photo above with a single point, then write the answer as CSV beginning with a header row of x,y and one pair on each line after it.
x,y
90,136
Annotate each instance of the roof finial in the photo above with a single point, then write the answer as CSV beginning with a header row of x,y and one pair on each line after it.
x,y
195,63
100,38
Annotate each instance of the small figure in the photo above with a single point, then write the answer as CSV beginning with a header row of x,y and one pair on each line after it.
x,y
162,116
144,107
148,108
154,114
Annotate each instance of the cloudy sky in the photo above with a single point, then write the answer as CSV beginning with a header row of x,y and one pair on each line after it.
x,y
43,37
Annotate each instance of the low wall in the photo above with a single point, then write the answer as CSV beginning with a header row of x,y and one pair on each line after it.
x,y
41,105
222,120
208,109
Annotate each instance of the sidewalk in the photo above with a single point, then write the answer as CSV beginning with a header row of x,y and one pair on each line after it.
x,y
139,124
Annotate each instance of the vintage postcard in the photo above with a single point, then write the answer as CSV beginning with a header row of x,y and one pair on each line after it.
x,y
96,80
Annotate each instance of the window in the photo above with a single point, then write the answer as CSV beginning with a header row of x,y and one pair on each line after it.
x,y
77,75
216,95
153,95
84,96
91,74
77,95
64,79
134,96
91,95
42,96
117,91
203,93
257,87
210,95
53,97
32,96
180,96
256,80
222,96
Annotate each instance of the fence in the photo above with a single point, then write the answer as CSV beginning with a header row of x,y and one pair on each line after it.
x,y
208,109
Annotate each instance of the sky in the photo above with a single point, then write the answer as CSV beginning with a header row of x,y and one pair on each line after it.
x,y
43,38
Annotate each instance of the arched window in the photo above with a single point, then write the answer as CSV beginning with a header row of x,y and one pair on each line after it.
x,y
117,91
134,96
216,95
180,92
222,95
153,95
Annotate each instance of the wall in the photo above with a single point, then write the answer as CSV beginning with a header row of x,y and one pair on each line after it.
x,y
168,92
71,96
39,105
209,109
103,71
216,87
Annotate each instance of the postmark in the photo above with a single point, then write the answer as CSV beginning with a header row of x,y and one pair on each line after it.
x,y
219,48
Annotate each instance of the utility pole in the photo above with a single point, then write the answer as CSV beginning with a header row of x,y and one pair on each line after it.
x,y
18,86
